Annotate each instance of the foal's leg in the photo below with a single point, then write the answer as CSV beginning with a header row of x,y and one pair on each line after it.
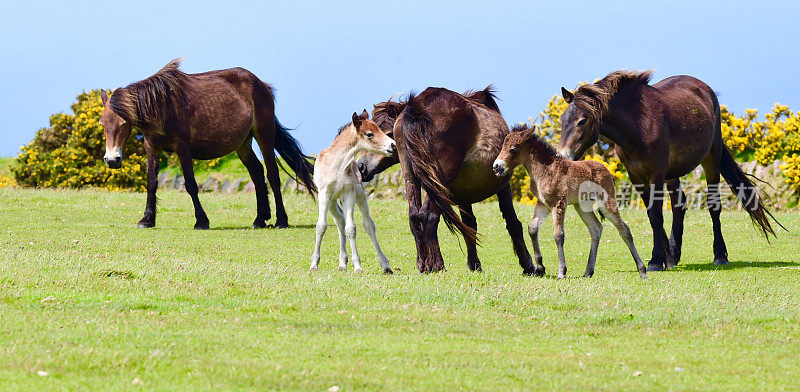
x,y
715,208
256,170
324,203
369,226
559,212
338,218
514,228
611,212
595,231
540,214
678,201
153,155
468,217
185,156
349,205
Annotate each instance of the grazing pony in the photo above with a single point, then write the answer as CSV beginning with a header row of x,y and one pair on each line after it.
x,y
337,179
557,183
661,133
446,145
204,116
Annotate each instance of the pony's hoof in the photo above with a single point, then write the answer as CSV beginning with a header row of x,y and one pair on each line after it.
x,y
259,225
588,274
721,261
201,226
342,268
358,270
388,271
643,275
146,225
281,225
314,268
655,267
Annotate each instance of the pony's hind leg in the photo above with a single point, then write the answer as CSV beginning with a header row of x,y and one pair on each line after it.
x,y
265,137
678,201
715,208
540,214
348,204
369,227
595,231
256,170
468,217
514,228
430,229
611,212
324,203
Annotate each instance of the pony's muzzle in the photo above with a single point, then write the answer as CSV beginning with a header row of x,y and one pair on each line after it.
x,y
499,168
114,163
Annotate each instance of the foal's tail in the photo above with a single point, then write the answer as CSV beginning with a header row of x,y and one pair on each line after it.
x,y
290,151
747,193
415,124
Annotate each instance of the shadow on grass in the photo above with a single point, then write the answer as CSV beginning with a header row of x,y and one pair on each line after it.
x,y
269,227
734,265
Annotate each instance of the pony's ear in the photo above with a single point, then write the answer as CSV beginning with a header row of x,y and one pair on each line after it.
x,y
356,120
567,95
364,115
103,96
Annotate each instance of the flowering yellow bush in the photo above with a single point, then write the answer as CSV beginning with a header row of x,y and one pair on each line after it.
x,y
70,153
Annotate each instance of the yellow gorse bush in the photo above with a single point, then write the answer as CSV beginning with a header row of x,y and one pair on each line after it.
x,y
69,153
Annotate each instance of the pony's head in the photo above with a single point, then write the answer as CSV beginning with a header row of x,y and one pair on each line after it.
x,y
117,131
516,147
579,128
370,137
384,115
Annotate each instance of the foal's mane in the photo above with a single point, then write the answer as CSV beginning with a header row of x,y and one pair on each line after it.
x,y
535,138
593,99
151,102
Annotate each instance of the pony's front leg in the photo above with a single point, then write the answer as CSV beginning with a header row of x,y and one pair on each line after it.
x,y
324,202
349,205
153,155
369,226
185,157
559,212
653,198
514,228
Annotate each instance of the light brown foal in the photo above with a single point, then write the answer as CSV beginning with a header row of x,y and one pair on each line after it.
x,y
557,182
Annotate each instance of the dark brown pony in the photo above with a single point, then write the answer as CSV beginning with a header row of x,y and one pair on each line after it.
x,y
661,132
204,116
446,145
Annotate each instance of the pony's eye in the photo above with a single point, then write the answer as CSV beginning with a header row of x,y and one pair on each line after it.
x,y
581,122
368,135
513,150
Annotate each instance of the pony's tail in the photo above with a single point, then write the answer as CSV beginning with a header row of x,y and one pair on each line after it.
x,y
289,148
747,193
425,166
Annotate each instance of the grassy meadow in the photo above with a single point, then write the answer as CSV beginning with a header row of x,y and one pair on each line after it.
x,y
90,302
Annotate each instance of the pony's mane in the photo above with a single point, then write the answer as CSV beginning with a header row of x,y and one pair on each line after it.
x,y
385,113
486,97
535,138
593,99
343,127
149,103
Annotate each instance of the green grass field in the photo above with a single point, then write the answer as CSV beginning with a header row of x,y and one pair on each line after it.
x,y
90,302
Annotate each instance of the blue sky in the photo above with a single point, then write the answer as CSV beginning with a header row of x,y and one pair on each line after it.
x,y
329,59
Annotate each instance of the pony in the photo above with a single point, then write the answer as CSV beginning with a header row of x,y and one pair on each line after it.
x,y
558,183
446,144
339,181
204,116
661,132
